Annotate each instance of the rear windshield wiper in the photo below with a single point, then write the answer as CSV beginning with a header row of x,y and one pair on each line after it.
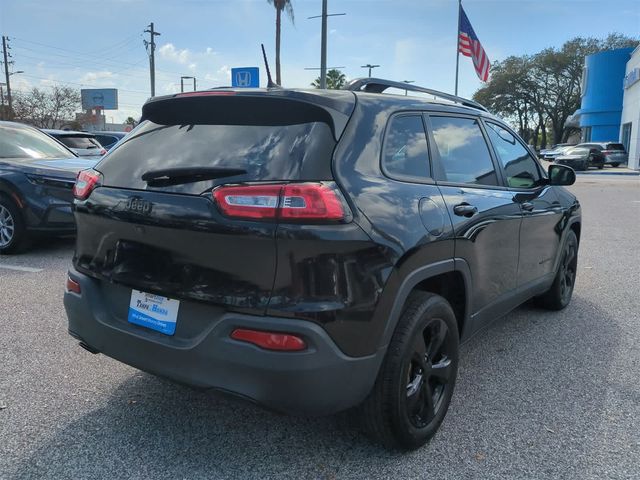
x,y
176,176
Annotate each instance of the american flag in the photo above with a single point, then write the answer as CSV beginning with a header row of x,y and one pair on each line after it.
x,y
470,46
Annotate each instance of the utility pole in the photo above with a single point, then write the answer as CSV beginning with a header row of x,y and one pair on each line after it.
x,y
323,47
7,55
370,67
323,43
151,48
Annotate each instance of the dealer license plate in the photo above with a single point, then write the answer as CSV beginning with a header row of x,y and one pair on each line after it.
x,y
153,311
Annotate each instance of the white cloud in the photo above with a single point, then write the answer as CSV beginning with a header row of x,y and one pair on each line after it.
x,y
91,77
169,52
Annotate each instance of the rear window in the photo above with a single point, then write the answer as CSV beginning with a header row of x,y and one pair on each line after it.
x,y
106,140
79,142
615,146
267,152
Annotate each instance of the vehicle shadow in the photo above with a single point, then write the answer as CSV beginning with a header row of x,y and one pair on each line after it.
x,y
529,391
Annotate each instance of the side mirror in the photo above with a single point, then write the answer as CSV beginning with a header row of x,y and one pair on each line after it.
x,y
561,175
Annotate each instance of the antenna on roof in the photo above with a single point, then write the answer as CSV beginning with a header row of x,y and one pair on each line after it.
x,y
270,82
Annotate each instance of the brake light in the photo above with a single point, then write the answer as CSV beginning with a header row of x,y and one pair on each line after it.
x,y
103,152
270,340
221,93
289,201
86,182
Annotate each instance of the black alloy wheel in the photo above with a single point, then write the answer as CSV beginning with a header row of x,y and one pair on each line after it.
x,y
559,295
429,371
416,380
568,269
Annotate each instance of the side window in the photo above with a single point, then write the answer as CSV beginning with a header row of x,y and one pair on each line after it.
x,y
405,148
520,168
464,154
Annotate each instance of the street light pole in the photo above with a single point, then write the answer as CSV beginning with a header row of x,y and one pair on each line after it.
x,y
407,81
370,67
186,77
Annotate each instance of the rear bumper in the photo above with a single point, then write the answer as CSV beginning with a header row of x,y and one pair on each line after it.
x,y
319,380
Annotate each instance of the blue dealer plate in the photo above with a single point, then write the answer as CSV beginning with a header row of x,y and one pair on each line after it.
x,y
153,311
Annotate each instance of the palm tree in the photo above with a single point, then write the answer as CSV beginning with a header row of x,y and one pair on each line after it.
x,y
279,6
335,80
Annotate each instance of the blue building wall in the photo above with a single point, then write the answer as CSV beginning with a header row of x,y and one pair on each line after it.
x,y
601,106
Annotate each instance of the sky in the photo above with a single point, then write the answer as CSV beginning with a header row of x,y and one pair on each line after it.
x,y
99,43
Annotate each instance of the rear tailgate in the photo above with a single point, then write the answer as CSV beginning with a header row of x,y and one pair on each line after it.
x,y
169,237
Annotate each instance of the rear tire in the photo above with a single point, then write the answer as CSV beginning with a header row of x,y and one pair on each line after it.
x,y
559,295
13,235
416,380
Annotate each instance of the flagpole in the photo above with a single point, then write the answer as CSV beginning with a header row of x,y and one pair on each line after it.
x,y
458,45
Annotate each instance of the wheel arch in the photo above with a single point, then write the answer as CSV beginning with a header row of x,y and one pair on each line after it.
x,y
449,278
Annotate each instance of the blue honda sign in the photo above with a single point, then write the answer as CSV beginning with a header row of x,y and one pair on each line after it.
x,y
245,77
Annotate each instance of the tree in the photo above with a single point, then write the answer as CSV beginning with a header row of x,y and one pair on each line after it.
x,y
280,5
130,121
543,90
46,108
335,80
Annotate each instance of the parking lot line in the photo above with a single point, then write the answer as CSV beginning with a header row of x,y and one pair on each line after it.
x,y
20,268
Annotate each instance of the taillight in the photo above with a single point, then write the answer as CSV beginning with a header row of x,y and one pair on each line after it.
x,y
103,151
287,201
270,340
73,286
86,181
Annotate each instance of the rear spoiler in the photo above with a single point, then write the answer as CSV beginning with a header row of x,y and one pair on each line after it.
x,y
256,107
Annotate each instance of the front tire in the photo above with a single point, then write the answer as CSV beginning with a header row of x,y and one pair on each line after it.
x,y
615,164
416,380
559,295
12,229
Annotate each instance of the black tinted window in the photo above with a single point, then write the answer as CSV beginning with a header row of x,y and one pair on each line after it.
x,y
106,140
281,152
464,154
405,148
615,146
520,168
79,142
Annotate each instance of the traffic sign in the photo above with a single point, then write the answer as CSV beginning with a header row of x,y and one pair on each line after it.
x,y
245,77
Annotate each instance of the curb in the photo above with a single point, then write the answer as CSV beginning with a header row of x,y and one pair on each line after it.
x,y
627,174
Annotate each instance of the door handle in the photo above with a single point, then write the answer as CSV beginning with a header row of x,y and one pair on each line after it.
x,y
527,206
465,210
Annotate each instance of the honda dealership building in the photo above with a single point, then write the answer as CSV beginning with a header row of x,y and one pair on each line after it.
x,y
610,107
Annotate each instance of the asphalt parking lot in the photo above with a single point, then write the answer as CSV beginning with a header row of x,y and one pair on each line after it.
x,y
539,394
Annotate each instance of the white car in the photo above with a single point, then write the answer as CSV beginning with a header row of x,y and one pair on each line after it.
x,y
83,144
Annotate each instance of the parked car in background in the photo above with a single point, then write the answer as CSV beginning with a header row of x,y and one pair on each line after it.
x,y
84,144
580,158
313,251
611,153
109,139
551,153
37,175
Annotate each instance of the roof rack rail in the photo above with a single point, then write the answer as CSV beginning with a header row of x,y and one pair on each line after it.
x,y
379,85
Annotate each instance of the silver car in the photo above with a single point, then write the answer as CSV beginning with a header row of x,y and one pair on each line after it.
x,y
83,144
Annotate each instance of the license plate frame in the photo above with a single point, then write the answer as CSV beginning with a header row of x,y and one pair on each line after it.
x,y
154,312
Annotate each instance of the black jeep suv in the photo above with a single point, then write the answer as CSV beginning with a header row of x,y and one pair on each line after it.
x,y
318,250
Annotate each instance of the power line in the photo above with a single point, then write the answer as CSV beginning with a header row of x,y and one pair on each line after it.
x,y
62,82
76,54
